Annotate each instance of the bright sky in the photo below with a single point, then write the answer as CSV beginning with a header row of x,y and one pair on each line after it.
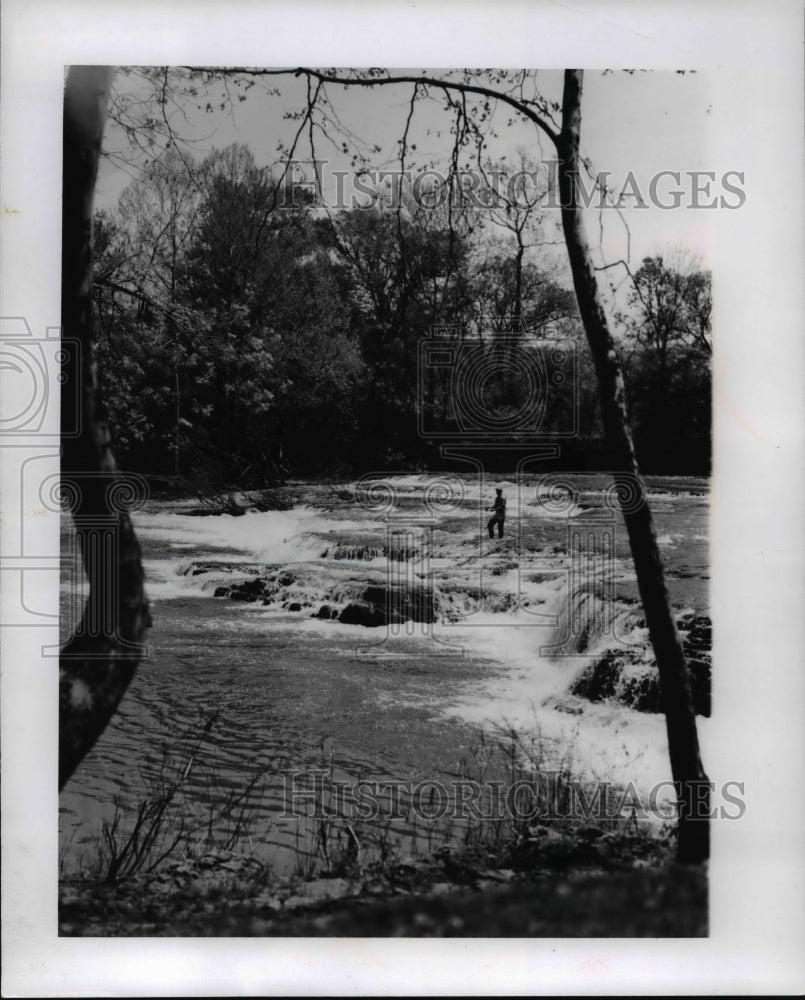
x,y
644,122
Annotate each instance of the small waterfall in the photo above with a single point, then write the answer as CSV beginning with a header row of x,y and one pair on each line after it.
x,y
589,616
355,552
365,553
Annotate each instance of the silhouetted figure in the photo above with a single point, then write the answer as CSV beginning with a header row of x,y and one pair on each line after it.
x,y
498,517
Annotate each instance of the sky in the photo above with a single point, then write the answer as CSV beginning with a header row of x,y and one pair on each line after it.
x,y
641,122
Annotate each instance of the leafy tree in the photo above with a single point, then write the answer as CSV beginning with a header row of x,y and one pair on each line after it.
x,y
514,202
276,343
669,377
138,299
402,278
226,327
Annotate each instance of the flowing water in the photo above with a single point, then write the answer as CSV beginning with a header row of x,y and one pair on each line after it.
x,y
296,704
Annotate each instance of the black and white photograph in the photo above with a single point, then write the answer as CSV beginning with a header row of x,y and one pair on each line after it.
x,y
400,506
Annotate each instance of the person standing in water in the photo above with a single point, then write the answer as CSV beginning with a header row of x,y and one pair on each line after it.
x,y
499,515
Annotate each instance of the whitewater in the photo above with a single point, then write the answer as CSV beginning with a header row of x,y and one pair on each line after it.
x,y
525,689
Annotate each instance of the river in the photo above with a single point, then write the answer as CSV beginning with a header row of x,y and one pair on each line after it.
x,y
302,703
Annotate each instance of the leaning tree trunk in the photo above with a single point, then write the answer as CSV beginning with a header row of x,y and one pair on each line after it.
x,y
675,692
99,660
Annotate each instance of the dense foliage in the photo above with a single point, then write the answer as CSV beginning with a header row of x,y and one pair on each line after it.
x,y
246,335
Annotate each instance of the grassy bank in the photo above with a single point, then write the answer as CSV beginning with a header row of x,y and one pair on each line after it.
x,y
232,898
539,872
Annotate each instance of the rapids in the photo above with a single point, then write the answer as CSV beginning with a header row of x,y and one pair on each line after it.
x,y
295,691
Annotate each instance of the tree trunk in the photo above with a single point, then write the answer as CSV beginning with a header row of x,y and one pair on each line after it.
x,y
518,286
99,660
178,416
677,703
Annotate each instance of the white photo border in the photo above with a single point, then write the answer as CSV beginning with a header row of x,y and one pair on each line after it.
x,y
754,53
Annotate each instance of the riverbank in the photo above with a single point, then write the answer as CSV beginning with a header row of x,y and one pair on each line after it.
x,y
585,884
